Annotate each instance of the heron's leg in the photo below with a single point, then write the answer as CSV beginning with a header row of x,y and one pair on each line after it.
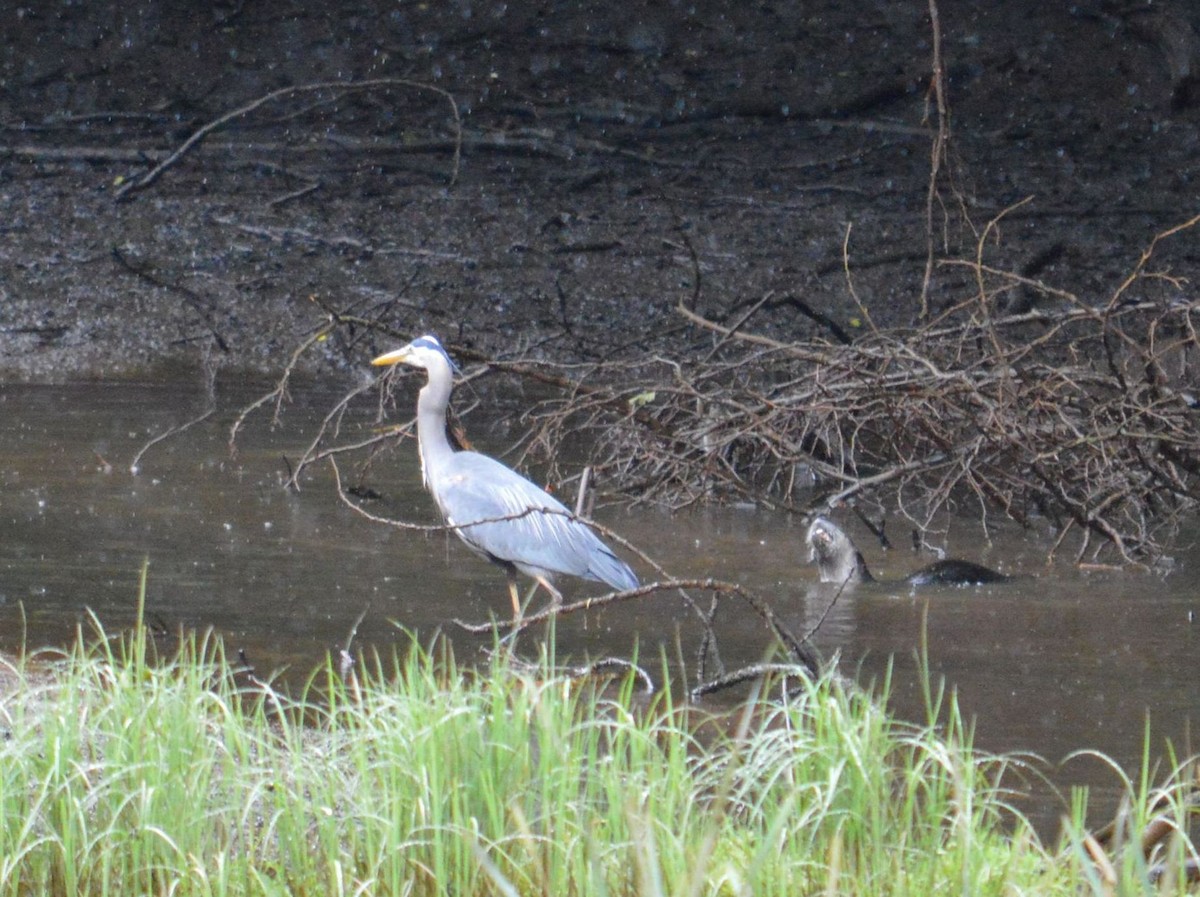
x,y
511,575
555,595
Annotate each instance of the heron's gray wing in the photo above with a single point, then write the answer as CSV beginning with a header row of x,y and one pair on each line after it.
x,y
525,526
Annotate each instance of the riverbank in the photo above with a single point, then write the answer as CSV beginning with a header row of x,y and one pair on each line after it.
x,y
551,185
417,775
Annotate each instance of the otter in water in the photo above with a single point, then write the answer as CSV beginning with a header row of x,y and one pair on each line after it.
x,y
838,560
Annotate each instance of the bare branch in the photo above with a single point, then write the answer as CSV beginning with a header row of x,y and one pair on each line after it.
x,y
132,186
1080,413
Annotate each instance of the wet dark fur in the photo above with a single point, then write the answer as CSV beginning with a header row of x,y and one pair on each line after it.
x,y
834,554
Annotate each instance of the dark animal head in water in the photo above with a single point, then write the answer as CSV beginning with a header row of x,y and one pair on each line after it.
x,y
834,554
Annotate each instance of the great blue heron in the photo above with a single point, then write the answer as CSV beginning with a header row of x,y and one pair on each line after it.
x,y
496,511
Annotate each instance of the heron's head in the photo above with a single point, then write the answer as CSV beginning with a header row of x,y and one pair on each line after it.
x,y
423,352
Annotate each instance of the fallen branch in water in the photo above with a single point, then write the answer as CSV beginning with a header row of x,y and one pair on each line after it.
x,y
750,673
136,463
605,667
797,648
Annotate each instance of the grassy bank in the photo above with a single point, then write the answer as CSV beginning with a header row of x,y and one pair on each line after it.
x,y
121,777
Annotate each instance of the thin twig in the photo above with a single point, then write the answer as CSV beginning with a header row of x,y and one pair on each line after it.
x,y
136,463
937,150
146,180
747,674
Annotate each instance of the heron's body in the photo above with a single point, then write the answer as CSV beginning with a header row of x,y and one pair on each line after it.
x,y
497,512
838,560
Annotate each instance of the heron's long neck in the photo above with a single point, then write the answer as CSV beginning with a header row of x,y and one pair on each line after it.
x,y
432,402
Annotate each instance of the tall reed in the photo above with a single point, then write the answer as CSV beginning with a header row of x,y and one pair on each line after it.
x,y
126,774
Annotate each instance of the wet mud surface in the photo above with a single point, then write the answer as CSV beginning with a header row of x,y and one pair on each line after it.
x,y
608,153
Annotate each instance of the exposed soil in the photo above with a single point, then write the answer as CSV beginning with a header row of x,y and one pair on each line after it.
x,y
601,145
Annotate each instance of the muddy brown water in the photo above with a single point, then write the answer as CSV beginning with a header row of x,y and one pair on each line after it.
x,y
1054,663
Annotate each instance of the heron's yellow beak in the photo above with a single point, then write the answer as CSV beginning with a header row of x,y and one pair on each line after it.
x,y
389,358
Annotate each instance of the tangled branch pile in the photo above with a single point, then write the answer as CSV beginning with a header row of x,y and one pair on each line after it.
x,y
1085,415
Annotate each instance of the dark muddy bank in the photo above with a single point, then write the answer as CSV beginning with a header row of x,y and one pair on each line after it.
x,y
601,146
